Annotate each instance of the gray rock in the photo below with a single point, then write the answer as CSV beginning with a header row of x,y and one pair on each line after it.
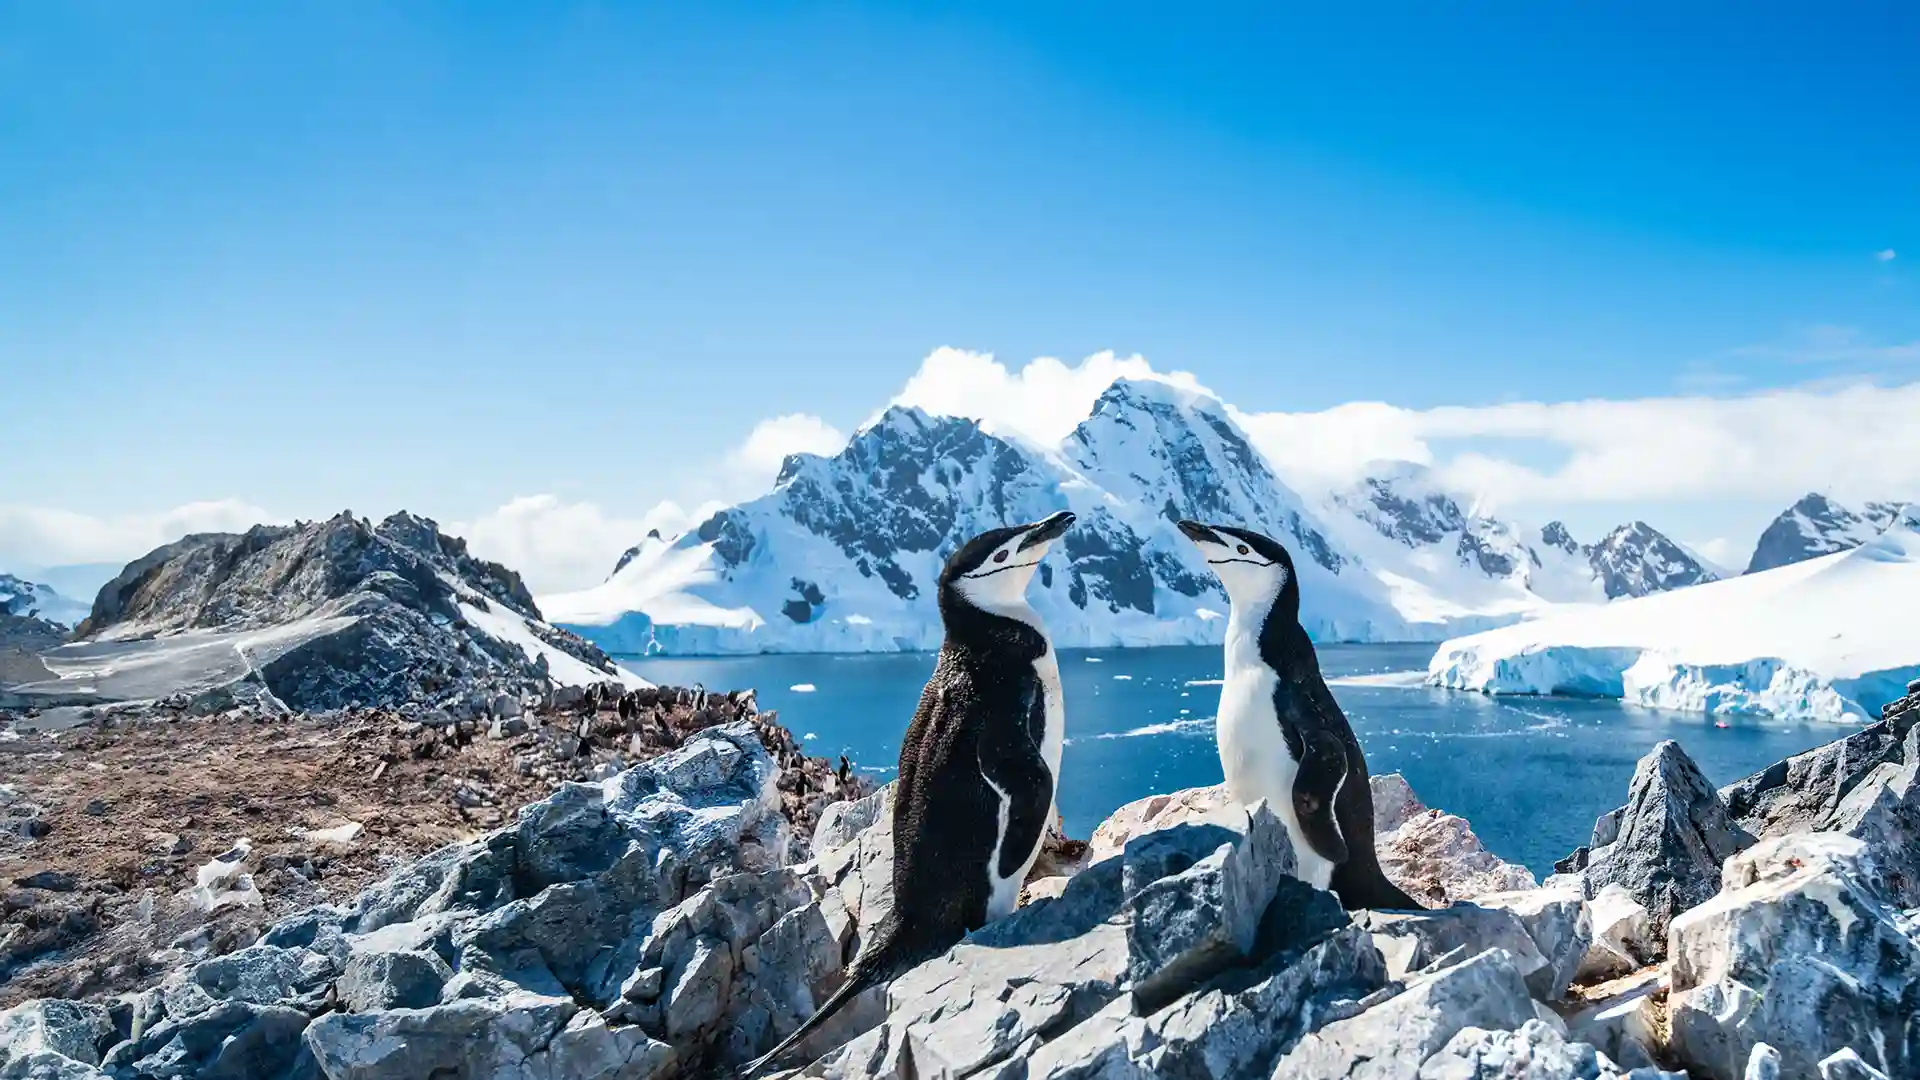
x,y
1800,951
1845,1064
72,1029
842,821
1623,939
1535,1051
1625,1023
233,1040
1414,940
1433,855
1883,811
472,1038
264,975
392,980
1673,835
1195,896
47,1065
1763,1063
1561,927
1392,1039
1801,793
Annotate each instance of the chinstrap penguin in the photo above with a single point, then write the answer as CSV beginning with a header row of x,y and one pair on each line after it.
x,y
1282,736
978,765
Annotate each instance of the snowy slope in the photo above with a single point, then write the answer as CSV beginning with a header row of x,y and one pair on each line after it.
x,y
1816,526
843,554
1829,638
20,597
1445,561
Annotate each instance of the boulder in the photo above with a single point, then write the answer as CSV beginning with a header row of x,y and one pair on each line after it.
x,y
1561,926
1800,951
1143,816
1801,793
1883,811
77,1030
1846,1064
1623,941
1623,1019
1665,847
398,979
1535,1051
1394,1038
1413,941
1434,856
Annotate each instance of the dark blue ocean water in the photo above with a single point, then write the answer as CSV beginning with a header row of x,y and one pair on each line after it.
x,y
1531,774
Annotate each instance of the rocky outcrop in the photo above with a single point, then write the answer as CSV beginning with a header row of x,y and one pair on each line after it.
x,y
1434,855
318,615
1665,847
1816,526
1801,951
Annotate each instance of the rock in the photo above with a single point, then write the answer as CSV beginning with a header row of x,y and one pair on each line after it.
x,y
505,707
70,1029
1623,1019
1196,895
1623,940
50,880
1763,1063
1801,793
1673,834
1393,1038
1883,811
1845,1064
1536,1051
1561,927
1799,951
517,1035
840,822
232,1040
263,975
1434,856
404,979
1414,940
1143,816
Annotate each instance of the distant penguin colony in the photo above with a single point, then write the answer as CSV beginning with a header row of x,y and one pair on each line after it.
x,y
1282,737
977,765
980,761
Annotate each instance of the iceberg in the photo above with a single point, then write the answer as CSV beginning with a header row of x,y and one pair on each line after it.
x,y
1828,639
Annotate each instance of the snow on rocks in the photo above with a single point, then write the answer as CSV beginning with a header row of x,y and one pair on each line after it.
x,y
1824,639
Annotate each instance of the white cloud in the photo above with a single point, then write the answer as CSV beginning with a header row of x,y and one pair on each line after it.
x,y
558,546
1854,442
43,536
1042,402
770,441
1886,255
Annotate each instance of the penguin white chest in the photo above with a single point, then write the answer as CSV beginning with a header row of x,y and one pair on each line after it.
x,y
1256,761
1004,892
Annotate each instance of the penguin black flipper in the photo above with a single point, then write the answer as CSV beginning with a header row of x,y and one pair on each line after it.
x,y
1020,775
1358,880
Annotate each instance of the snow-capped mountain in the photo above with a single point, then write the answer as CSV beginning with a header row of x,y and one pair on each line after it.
x,y
1816,526
1448,562
843,553
21,597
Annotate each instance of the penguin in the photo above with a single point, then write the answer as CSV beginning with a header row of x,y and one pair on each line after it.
x,y
978,765
1282,736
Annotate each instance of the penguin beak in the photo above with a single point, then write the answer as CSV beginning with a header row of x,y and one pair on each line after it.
x,y
1041,532
1200,534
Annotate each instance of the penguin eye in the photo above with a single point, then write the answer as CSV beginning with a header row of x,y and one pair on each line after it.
x,y
1242,549
1000,556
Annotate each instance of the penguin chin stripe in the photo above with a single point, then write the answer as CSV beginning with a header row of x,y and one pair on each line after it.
x,y
1249,562
976,576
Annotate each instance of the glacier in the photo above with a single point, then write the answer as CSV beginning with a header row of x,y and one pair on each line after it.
x,y
1826,639
842,555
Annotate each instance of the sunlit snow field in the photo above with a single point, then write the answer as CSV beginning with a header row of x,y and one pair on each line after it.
x,y
1529,773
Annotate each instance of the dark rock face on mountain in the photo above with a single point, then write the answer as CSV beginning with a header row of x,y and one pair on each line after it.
x,y
321,615
1638,560
1816,526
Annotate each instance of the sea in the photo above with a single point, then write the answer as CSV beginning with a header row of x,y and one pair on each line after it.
x,y
1529,774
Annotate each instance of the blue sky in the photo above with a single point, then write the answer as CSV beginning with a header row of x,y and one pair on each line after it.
x,y
307,256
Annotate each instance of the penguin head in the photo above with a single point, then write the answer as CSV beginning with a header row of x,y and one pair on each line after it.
x,y
1253,568
992,570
